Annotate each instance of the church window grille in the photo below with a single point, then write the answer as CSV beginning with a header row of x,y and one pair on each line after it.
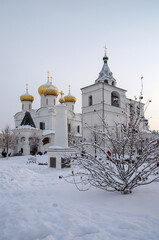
x,y
115,99
90,100
42,125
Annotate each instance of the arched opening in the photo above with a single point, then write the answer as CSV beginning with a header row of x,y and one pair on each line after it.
x,y
115,99
46,140
23,139
90,100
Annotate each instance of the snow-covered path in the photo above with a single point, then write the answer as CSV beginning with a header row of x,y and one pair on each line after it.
x,y
35,204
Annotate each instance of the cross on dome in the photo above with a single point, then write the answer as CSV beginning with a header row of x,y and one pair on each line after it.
x,y
105,50
48,75
27,87
62,93
69,87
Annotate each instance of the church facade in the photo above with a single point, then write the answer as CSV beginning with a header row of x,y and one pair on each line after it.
x,y
101,101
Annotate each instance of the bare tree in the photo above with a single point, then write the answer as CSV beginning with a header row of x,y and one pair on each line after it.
x,y
134,158
34,142
9,140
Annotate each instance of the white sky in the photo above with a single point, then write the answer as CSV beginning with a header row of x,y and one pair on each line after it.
x,y
66,37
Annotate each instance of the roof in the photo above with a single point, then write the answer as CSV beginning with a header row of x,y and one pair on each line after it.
x,y
27,120
105,73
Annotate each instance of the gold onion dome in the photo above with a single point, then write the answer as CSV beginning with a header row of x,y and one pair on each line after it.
x,y
47,85
69,97
52,90
62,100
44,86
27,96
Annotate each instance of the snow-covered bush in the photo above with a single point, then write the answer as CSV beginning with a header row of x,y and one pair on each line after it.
x,y
120,159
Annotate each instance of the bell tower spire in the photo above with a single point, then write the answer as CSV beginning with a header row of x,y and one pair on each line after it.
x,y
105,75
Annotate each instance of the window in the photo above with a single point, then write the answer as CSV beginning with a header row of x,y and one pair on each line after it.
x,y
54,101
115,99
29,106
46,140
53,162
72,107
69,127
90,100
78,129
22,106
42,125
46,101
106,81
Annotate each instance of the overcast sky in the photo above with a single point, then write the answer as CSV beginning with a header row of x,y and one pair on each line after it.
x,y
66,37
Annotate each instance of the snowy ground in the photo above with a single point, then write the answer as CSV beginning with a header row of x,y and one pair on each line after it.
x,y
36,205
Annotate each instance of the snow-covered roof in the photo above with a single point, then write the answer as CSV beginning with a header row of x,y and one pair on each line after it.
x,y
25,127
47,132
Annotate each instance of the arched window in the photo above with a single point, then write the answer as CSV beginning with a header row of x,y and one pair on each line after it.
x,y
78,129
46,140
29,106
90,100
47,101
22,106
23,139
115,99
54,101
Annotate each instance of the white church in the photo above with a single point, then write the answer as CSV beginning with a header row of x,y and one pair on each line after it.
x,y
41,122
103,98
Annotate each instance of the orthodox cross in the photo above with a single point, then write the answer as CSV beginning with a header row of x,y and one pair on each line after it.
x,y
105,50
48,76
51,79
61,94
26,87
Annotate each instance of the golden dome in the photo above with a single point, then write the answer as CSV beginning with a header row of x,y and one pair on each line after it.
x,y
61,100
69,97
43,87
27,96
47,85
52,90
